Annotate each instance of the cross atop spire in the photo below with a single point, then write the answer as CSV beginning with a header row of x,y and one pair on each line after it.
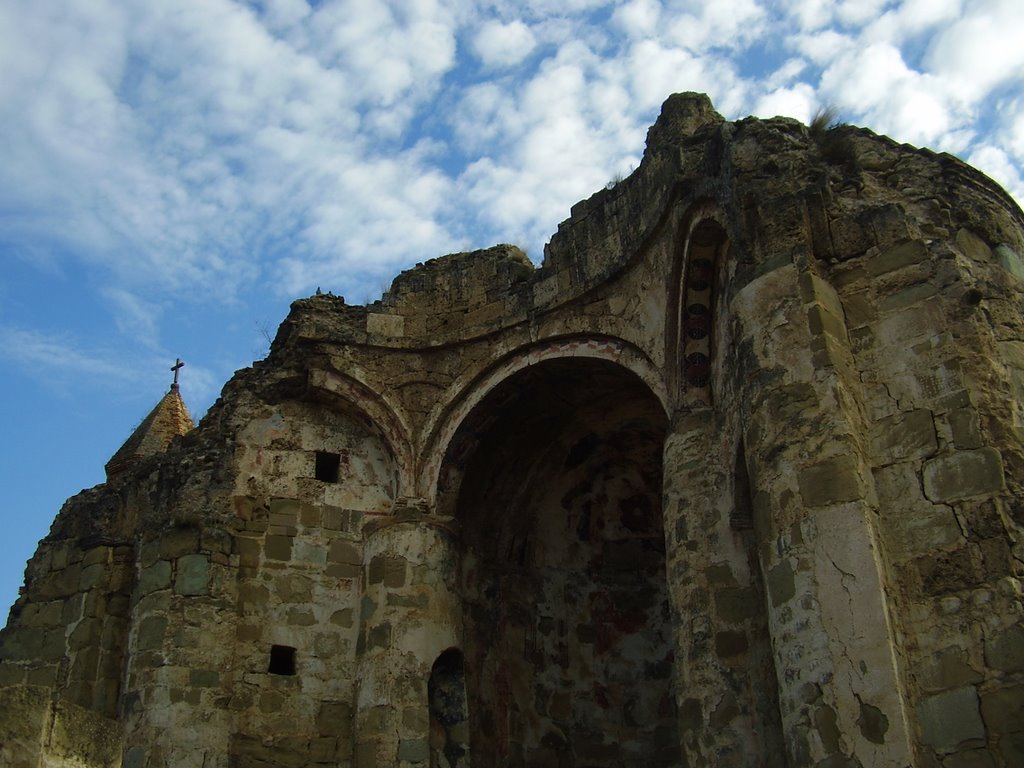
x,y
178,364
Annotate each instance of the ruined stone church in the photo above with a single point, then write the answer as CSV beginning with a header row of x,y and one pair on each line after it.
x,y
734,478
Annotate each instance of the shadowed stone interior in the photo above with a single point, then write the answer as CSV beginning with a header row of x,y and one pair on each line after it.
x,y
568,619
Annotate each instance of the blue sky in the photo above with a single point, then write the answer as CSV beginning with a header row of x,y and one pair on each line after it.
x,y
173,173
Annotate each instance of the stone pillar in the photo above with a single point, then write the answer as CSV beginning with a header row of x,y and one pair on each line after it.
x,y
725,690
840,691
411,614
180,653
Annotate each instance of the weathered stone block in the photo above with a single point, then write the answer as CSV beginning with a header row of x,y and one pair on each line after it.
x,y
820,321
342,551
1011,748
394,572
378,636
96,555
284,512
973,247
730,644
156,576
833,481
298,617
903,436
86,634
902,255
951,571
204,678
1003,709
910,524
949,719
1009,260
963,474
334,718
178,542
309,552
974,758
736,604
248,551
134,757
781,582
278,547
293,588
342,618
344,571
151,633
1005,650
193,575
908,297
949,668
963,424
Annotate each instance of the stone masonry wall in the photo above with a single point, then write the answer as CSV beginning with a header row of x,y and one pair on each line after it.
x,y
733,478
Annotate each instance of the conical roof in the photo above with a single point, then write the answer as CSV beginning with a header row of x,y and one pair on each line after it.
x,y
167,420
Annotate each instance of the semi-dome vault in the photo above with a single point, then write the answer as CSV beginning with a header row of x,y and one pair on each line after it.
x,y
732,479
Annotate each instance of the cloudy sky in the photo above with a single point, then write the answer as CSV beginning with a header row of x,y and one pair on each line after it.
x,y
174,172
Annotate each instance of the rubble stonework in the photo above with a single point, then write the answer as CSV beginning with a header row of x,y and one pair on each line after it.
x,y
732,479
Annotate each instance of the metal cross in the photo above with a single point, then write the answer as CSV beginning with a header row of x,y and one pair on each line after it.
x,y
178,363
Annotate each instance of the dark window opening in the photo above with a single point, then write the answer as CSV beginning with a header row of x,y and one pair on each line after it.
x,y
446,692
742,517
327,466
282,660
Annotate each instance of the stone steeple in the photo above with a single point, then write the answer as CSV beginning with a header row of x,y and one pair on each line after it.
x,y
169,419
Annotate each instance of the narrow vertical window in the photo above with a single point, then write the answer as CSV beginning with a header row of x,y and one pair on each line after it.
x,y
742,517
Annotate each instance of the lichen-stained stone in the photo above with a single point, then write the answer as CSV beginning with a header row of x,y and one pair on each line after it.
x,y
1004,650
193,575
832,481
904,436
950,719
732,478
963,474
154,577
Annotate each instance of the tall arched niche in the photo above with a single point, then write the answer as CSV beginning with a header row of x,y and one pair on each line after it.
x,y
691,339
568,641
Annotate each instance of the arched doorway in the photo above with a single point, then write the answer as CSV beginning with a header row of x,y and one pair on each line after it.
x,y
556,477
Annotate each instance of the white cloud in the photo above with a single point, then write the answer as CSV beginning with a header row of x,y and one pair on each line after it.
x,y
980,51
875,82
909,19
810,15
798,101
202,147
823,47
994,162
699,27
1013,127
503,45
638,18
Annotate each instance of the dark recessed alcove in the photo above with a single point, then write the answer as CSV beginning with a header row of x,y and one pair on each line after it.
x,y
282,660
327,465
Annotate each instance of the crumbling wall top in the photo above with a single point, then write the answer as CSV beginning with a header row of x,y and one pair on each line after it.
x,y
682,115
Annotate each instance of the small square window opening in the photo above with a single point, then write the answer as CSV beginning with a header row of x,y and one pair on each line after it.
x,y
327,466
282,660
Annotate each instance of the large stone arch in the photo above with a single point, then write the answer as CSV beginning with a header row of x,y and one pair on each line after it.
x,y
556,488
470,389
